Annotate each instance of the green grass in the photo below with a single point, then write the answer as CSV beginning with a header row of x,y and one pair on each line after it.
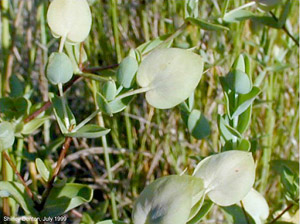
x,y
147,143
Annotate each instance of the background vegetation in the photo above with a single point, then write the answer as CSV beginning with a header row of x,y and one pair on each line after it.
x,y
147,143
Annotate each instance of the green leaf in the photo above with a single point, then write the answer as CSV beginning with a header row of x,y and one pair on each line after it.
x,y
89,131
17,192
206,25
170,76
198,125
191,8
244,120
266,20
284,15
109,90
256,206
42,169
57,103
126,71
227,132
14,107
16,86
145,48
267,5
238,81
227,176
206,207
70,18
167,200
239,64
59,68
237,16
63,199
7,135
33,125
236,215
245,100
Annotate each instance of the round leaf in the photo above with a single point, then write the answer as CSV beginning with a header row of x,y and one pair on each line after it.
x,y
238,81
171,75
7,136
59,68
109,90
198,125
227,176
70,18
126,71
166,200
256,206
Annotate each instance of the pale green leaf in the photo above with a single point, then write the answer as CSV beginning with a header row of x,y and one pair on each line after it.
x,y
70,18
89,131
170,75
59,68
63,199
7,135
206,25
33,125
227,176
256,206
42,169
126,71
167,200
17,192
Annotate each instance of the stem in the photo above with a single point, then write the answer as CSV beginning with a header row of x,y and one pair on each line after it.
x,y
132,92
27,189
61,93
113,4
285,29
55,172
93,76
174,35
86,120
5,201
282,213
62,43
106,158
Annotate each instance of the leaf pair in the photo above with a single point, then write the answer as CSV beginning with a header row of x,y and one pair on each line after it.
x,y
82,131
225,178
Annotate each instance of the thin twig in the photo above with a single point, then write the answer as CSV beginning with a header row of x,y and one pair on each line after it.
x,y
245,213
67,86
285,29
27,189
282,213
62,155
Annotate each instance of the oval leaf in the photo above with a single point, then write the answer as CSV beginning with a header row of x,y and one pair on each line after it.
x,y
42,169
126,71
171,75
63,199
166,200
89,131
198,125
256,206
70,18
7,136
227,176
59,68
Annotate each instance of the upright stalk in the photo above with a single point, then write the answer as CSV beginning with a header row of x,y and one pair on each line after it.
x,y
113,5
106,157
5,38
